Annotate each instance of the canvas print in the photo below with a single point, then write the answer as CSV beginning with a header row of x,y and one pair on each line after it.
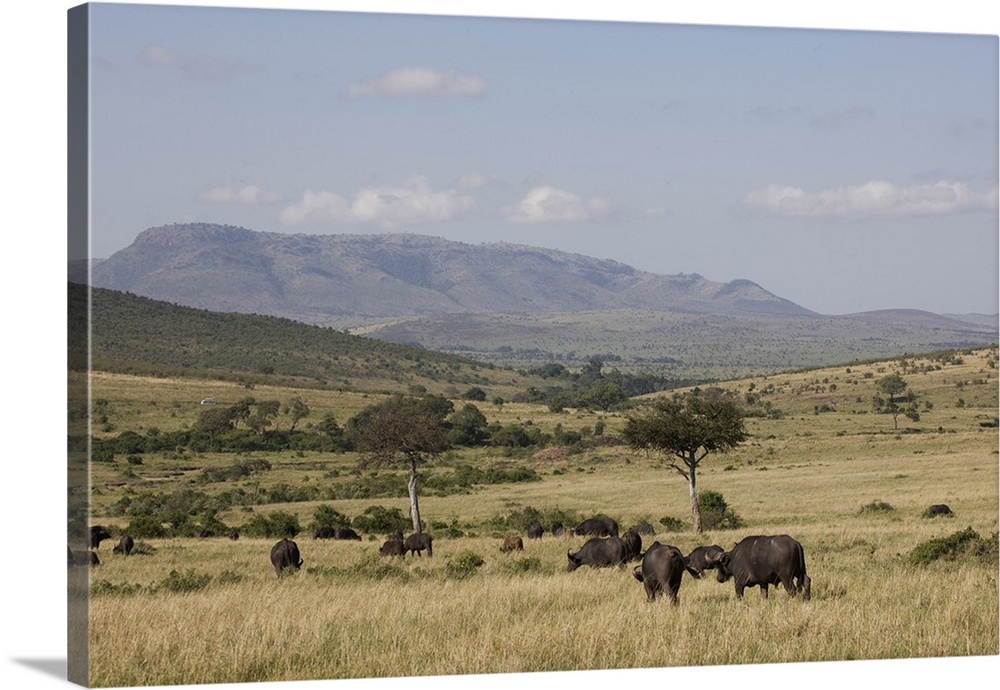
x,y
410,346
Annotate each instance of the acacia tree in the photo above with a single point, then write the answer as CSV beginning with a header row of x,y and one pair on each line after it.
x,y
894,385
686,428
403,429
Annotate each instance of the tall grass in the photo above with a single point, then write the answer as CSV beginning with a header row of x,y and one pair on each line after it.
x,y
351,614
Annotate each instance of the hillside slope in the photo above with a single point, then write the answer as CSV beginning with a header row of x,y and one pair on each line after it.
x,y
351,279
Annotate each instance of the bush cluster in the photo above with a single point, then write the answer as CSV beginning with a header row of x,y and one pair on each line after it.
x,y
966,544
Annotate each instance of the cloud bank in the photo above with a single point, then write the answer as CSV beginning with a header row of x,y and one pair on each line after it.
x,y
384,207
248,194
875,198
418,81
547,204
194,67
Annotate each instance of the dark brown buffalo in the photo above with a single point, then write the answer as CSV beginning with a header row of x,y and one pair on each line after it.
x,y
393,547
346,533
83,558
325,532
644,528
558,530
597,527
661,571
633,545
763,561
704,558
418,542
939,509
598,553
284,555
124,545
512,543
234,535
535,531
97,535
396,534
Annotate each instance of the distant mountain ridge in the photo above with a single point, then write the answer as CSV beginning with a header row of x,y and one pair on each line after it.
x,y
327,279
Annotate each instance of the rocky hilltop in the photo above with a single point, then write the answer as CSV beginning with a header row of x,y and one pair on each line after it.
x,y
353,279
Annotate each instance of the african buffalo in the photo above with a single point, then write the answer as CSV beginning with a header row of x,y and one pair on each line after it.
x,y
597,527
512,543
285,554
535,531
703,558
598,553
558,530
633,545
763,561
393,547
325,532
125,545
346,533
644,528
417,542
83,558
661,571
97,535
234,535
938,509
206,533
396,534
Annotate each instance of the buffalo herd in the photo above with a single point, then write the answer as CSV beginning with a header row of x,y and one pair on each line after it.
x,y
756,561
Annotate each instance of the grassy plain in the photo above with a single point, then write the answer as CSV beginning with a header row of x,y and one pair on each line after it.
x,y
809,472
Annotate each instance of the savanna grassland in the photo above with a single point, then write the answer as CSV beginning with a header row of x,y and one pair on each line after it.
x,y
819,464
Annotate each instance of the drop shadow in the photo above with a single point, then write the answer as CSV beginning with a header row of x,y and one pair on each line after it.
x,y
50,667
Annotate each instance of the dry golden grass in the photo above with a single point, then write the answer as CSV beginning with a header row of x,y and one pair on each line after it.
x,y
350,614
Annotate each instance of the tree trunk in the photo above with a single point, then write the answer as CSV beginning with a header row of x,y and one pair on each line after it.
x,y
412,487
692,490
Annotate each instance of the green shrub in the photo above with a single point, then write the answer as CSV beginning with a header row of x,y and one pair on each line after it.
x,y
146,527
959,545
382,520
190,581
671,524
716,513
274,525
877,507
464,564
521,566
104,587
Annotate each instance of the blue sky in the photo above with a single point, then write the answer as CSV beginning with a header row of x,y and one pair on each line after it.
x,y
844,170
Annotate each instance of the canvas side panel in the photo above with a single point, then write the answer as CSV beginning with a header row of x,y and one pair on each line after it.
x,y
78,348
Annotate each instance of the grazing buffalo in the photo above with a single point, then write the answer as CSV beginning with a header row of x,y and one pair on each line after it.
x,y
234,535
323,533
284,555
597,527
703,558
661,571
83,558
939,509
512,543
644,528
633,545
125,545
393,547
97,535
417,542
535,531
763,561
558,530
346,533
598,553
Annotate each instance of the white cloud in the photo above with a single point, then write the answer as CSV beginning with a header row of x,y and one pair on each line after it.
x,y
875,198
249,194
385,207
547,204
418,81
194,67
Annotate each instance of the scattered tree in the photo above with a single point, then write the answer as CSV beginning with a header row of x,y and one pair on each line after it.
x,y
686,428
894,386
403,429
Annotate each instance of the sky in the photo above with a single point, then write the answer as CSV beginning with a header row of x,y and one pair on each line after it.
x,y
845,170
858,262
